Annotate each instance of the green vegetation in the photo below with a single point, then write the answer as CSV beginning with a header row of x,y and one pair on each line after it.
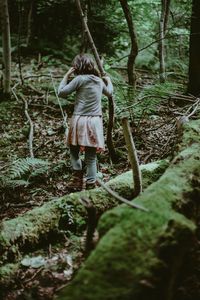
x,y
64,214
137,248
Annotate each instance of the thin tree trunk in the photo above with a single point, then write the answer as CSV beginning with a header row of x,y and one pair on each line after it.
x,y
161,43
6,46
28,34
194,58
84,41
19,41
110,146
134,44
165,10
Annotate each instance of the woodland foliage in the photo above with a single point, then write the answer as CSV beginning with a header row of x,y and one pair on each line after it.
x,y
55,30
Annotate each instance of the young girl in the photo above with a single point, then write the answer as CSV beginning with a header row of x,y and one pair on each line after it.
x,y
86,127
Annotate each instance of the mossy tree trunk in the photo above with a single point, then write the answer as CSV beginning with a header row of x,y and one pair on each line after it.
x,y
140,254
24,233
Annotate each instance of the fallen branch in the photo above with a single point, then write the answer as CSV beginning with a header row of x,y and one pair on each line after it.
x,y
182,97
195,105
116,196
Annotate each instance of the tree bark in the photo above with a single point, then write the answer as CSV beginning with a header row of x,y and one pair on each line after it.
x,y
6,46
19,41
84,41
137,178
134,44
165,10
28,33
194,57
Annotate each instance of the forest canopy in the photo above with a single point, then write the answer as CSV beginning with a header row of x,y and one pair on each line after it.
x,y
53,28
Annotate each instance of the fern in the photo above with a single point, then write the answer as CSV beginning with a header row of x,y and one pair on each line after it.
x,y
39,171
24,165
15,183
21,170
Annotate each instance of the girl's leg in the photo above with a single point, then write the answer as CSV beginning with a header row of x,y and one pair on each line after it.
x,y
77,182
75,159
91,164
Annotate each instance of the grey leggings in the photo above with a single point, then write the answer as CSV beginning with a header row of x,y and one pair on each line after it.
x,y
90,161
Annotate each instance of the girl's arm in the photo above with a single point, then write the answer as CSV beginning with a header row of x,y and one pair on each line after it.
x,y
107,86
67,88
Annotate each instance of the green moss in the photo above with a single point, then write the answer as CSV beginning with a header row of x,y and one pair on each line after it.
x,y
140,253
152,172
66,213
6,273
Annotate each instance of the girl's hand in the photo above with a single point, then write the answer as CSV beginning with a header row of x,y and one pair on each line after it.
x,y
69,72
105,80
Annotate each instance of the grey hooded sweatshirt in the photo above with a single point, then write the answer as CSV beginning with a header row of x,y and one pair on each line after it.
x,y
89,89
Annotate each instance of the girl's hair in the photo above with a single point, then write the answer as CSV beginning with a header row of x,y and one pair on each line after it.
x,y
84,64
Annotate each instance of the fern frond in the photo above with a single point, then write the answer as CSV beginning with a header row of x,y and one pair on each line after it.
x,y
15,183
23,165
39,171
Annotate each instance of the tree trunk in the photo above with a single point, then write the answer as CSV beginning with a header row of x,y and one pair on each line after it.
x,y
194,57
84,40
28,33
134,44
6,46
162,32
161,43
19,41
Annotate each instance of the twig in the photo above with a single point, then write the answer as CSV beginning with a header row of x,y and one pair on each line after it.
x,y
15,95
41,75
118,197
196,104
63,115
34,275
31,129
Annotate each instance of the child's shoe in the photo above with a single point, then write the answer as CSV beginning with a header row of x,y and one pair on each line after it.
x,y
90,186
77,181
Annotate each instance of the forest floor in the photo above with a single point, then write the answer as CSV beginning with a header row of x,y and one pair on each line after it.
x,y
28,183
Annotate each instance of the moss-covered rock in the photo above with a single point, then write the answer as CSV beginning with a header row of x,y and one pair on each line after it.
x,y
140,254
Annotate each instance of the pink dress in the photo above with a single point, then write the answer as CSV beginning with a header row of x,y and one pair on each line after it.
x,y
86,131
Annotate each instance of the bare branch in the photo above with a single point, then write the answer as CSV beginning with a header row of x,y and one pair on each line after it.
x,y
116,196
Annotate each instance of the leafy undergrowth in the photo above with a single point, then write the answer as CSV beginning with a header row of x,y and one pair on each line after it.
x,y
27,183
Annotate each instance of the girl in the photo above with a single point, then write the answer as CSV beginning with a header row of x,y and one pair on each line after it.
x,y
86,126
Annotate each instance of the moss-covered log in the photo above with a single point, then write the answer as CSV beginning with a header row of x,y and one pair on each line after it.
x,y
140,254
24,233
